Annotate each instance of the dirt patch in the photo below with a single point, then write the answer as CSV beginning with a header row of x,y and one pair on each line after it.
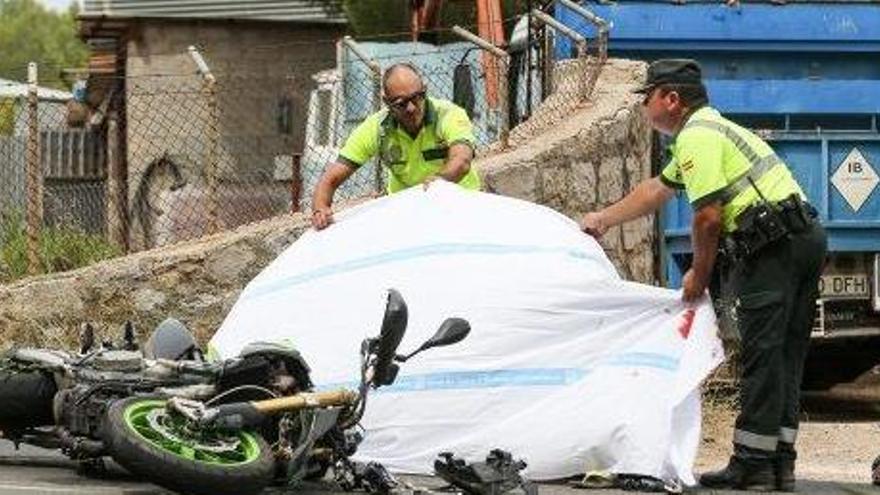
x,y
839,451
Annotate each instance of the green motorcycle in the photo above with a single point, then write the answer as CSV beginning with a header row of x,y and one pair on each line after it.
x,y
200,427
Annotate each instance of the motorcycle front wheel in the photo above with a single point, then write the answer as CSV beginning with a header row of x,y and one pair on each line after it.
x,y
164,448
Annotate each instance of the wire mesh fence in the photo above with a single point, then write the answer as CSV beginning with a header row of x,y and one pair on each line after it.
x,y
173,155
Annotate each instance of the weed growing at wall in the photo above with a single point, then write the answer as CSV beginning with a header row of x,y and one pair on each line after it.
x,y
60,249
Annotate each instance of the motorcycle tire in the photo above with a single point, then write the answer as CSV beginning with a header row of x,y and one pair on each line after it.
x,y
27,399
144,439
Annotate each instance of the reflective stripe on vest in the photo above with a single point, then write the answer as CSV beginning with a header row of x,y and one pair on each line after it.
x,y
759,166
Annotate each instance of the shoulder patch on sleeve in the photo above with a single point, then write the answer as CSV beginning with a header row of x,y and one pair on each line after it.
x,y
686,167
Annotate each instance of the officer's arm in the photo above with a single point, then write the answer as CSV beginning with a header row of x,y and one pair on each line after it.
x,y
360,146
335,174
705,231
646,198
458,162
330,180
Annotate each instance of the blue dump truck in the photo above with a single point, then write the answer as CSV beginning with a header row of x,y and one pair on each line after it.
x,y
806,76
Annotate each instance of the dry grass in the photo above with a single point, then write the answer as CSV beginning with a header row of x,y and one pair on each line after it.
x,y
720,405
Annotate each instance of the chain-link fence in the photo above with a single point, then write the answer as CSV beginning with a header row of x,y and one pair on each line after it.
x,y
52,215
162,156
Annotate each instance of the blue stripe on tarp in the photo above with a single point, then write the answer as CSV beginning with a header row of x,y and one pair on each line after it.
x,y
644,359
523,377
400,255
457,380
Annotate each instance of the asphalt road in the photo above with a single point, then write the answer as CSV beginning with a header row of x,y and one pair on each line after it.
x,y
33,471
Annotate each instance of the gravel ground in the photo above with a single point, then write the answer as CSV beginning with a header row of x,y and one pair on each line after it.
x,y
827,451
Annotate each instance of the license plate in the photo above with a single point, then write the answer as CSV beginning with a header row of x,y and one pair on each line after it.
x,y
845,287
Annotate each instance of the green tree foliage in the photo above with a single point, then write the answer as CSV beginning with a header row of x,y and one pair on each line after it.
x,y
29,32
369,18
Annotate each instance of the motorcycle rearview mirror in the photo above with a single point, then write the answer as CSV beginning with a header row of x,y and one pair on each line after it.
x,y
393,327
128,337
451,331
86,337
171,340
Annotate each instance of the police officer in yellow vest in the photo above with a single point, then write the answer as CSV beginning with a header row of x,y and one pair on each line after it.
x,y
418,138
751,213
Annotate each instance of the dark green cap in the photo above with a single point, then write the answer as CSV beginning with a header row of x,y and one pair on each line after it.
x,y
671,71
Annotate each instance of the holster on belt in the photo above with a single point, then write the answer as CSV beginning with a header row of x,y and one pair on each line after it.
x,y
763,224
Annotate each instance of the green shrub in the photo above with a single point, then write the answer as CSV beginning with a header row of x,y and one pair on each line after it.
x,y
7,116
60,249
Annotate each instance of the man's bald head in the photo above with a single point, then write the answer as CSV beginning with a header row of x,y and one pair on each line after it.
x,y
401,76
404,93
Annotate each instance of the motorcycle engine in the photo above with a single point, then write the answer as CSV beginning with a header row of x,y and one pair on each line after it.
x,y
281,373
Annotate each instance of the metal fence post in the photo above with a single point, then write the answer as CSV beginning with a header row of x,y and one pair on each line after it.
x,y
34,214
583,84
503,104
211,164
548,78
602,29
116,200
503,60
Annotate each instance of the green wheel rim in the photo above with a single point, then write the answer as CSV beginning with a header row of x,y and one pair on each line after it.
x,y
185,445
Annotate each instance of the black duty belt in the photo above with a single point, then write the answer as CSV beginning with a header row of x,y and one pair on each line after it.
x,y
764,224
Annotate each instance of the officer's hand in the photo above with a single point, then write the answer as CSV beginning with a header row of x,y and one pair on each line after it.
x,y
594,224
322,218
430,179
692,287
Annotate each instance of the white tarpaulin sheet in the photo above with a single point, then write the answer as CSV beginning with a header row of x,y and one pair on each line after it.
x,y
567,366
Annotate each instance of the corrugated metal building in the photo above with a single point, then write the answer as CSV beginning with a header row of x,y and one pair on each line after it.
x,y
259,10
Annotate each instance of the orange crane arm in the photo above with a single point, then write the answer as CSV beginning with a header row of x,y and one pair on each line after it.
x,y
490,28
424,16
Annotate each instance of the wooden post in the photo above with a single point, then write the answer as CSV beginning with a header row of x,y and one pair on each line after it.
x,y
295,182
503,104
34,214
213,157
117,224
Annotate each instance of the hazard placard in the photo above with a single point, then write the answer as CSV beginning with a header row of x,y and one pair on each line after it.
x,y
855,179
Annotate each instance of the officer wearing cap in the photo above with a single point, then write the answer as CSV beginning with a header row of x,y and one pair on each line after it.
x,y
418,138
748,206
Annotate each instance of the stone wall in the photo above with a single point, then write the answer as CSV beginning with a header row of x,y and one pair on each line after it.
x,y
585,160
197,282
574,166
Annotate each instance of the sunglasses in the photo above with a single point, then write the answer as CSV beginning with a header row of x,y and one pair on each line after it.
x,y
399,104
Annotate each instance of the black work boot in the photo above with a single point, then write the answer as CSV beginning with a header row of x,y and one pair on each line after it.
x,y
783,467
741,474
